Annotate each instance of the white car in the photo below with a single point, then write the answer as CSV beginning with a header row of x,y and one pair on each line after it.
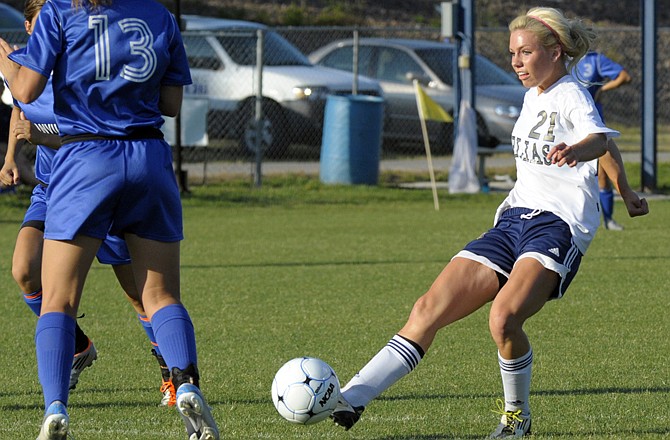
x,y
222,57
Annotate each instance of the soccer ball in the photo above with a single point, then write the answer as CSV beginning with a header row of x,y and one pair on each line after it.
x,y
305,390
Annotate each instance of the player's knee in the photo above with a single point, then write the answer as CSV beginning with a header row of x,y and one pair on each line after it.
x,y
503,325
25,279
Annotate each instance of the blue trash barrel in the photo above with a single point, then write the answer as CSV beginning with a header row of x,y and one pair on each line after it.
x,y
352,133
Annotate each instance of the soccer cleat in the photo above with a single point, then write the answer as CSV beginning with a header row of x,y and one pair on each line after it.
x,y
512,423
167,387
169,395
195,412
82,361
346,415
613,225
56,422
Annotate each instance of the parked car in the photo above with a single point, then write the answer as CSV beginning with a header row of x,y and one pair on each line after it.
x,y
222,57
11,28
395,63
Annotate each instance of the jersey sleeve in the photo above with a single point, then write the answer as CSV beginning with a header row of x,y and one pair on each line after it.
x,y
584,116
607,68
178,72
45,43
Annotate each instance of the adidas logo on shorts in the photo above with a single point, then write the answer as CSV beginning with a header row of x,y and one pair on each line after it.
x,y
555,251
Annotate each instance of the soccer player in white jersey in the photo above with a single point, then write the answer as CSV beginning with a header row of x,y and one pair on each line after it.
x,y
117,67
541,230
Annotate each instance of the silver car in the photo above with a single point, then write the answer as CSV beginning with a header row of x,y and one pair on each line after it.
x,y
395,63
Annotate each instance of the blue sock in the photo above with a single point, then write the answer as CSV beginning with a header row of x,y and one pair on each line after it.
x,y
607,202
54,342
149,330
34,301
174,333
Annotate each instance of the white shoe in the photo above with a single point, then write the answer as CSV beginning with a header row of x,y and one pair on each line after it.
x,y
612,225
200,424
56,422
82,361
513,424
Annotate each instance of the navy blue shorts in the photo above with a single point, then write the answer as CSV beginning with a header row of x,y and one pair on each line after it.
x,y
522,233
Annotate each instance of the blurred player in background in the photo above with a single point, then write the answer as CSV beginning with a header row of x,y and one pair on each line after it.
x,y
600,74
118,66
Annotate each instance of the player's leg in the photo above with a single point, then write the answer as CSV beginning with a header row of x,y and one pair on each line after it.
x,y
462,288
156,268
64,270
607,200
124,274
529,287
27,268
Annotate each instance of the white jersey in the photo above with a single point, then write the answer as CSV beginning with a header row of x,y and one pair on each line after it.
x,y
565,112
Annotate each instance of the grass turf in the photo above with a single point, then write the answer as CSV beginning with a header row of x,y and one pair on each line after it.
x,y
298,268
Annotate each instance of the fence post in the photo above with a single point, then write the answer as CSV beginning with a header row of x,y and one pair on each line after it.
x,y
649,54
259,108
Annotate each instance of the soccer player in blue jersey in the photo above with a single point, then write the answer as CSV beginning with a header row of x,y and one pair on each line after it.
x,y
600,74
117,67
26,262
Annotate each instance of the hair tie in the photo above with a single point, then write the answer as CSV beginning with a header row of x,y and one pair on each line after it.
x,y
545,24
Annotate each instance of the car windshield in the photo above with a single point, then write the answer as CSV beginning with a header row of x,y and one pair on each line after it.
x,y
241,46
486,73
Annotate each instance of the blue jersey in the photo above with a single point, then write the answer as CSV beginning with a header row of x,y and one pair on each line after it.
x,y
117,57
40,112
594,69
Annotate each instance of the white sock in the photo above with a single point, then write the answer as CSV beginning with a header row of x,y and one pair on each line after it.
x,y
516,382
397,359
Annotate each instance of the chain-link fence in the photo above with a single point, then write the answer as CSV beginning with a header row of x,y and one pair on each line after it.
x,y
276,113
291,123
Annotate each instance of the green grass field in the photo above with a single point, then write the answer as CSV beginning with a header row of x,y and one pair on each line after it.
x,y
297,268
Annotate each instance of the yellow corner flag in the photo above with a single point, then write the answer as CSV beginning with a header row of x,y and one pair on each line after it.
x,y
429,109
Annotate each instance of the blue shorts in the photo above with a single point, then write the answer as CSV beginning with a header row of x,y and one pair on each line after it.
x,y
113,250
521,233
114,186
37,211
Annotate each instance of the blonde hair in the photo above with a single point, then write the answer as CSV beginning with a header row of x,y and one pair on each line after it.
x,y
552,28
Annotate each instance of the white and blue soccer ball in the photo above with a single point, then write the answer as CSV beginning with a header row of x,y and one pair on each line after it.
x,y
305,390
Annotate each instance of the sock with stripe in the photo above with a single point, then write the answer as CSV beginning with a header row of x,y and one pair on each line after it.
x,y
34,301
516,382
175,335
54,342
607,203
149,330
397,359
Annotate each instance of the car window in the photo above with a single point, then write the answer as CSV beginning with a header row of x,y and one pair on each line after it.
x,y
489,74
486,72
440,61
394,65
200,53
342,58
241,47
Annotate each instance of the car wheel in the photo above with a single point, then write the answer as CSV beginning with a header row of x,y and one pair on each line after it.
x,y
274,140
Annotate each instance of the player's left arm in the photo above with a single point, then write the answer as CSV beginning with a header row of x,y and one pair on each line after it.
x,y
170,100
612,163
